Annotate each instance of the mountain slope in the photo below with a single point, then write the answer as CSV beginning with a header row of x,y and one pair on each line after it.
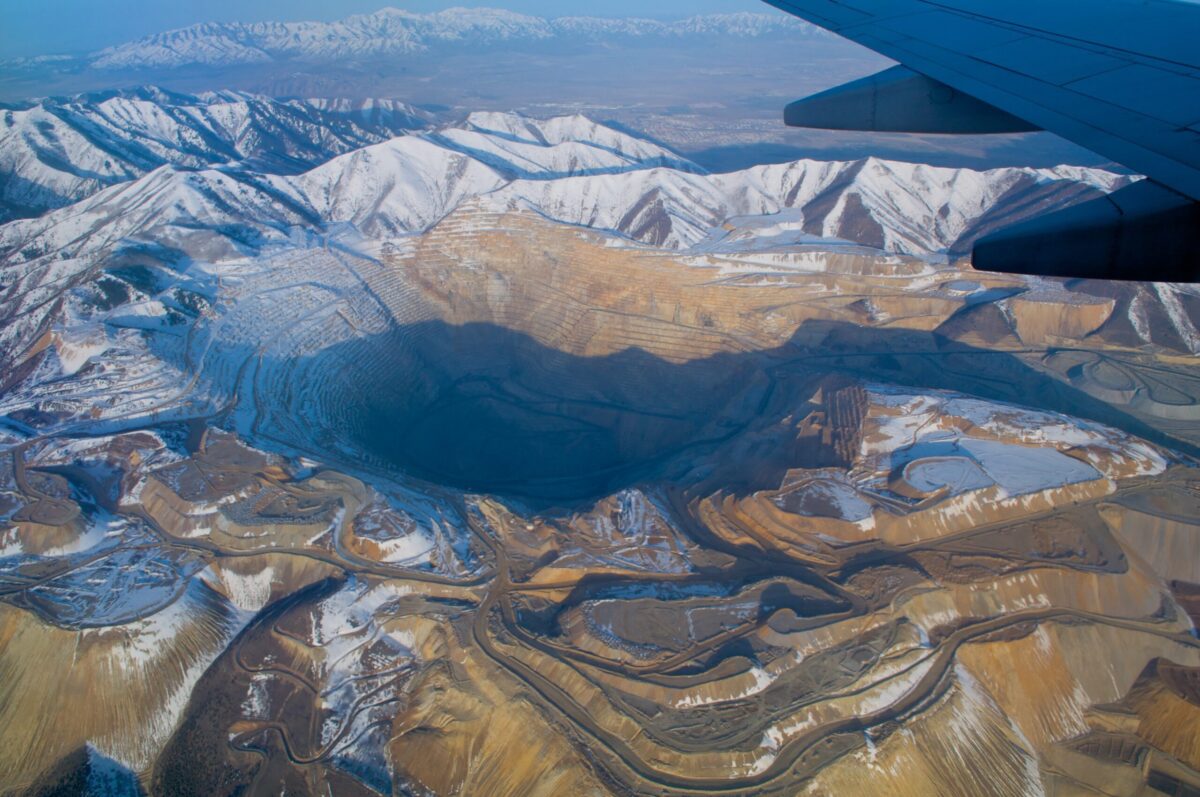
x,y
164,220
403,185
59,151
898,207
573,170
911,208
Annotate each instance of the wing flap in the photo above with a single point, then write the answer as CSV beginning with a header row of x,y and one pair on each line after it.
x,y
898,100
1143,232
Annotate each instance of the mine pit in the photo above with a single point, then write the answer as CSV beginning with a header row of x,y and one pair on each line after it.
x,y
483,408
561,370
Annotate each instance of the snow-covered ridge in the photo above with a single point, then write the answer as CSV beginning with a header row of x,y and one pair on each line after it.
x,y
391,32
58,151
575,171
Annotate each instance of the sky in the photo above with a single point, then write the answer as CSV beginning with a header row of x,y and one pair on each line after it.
x,y
38,27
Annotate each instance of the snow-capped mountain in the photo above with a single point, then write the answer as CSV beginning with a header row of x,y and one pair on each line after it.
x,y
59,151
575,171
400,186
897,207
392,32
562,146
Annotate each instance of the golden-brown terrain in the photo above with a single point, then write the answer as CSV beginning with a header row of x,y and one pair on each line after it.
x,y
544,515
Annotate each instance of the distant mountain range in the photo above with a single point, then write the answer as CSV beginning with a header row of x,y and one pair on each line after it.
x,y
392,32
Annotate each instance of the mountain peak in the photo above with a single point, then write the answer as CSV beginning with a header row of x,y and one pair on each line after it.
x,y
390,11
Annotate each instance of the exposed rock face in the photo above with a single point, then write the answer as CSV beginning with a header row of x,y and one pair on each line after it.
x,y
121,688
1043,318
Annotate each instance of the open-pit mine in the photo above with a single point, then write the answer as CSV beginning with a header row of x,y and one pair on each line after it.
x,y
511,506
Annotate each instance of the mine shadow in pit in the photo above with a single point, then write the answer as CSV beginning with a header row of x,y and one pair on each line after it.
x,y
487,409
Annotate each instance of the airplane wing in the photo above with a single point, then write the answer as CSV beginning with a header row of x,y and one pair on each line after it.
x,y
1119,77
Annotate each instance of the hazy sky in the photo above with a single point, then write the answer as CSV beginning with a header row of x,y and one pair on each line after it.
x,y
35,27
